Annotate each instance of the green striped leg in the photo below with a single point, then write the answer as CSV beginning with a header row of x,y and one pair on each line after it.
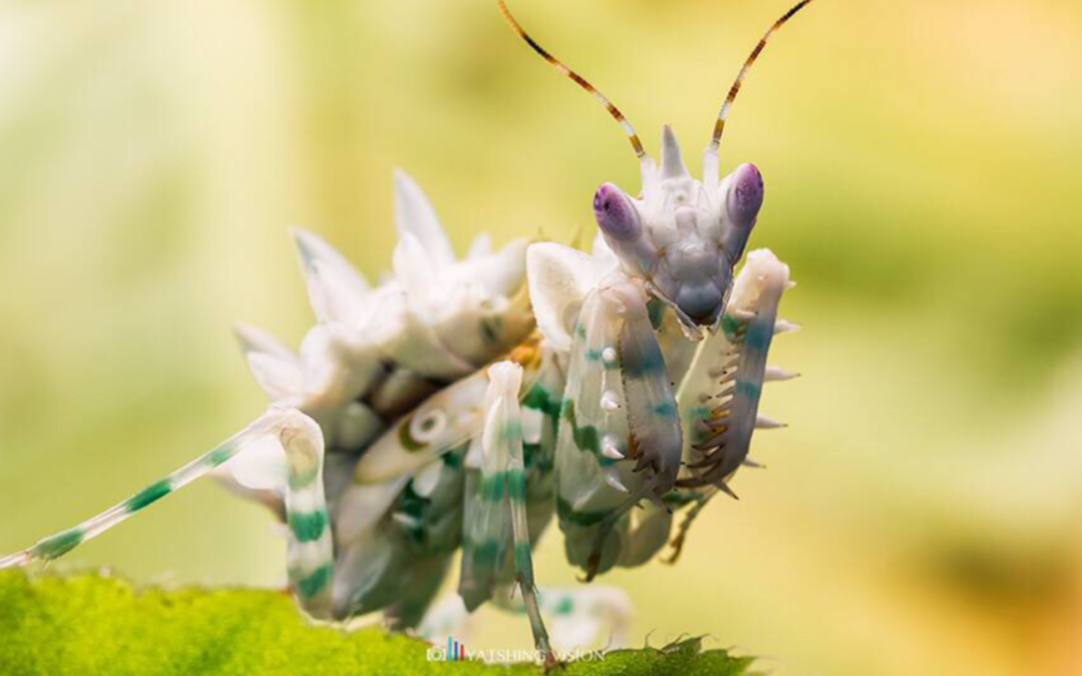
x,y
497,509
580,617
63,542
310,558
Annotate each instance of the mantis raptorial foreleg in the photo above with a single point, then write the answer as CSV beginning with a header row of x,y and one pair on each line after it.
x,y
620,436
720,400
653,423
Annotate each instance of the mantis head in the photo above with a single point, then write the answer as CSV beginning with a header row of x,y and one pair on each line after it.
x,y
680,236
683,236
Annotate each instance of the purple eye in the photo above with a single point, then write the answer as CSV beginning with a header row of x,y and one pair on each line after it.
x,y
746,195
615,214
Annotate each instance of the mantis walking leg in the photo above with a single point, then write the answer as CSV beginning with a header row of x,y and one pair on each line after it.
x,y
496,512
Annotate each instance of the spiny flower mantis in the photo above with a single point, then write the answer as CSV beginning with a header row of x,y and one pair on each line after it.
x,y
462,403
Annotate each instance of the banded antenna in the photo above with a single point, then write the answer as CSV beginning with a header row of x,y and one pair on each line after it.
x,y
578,79
735,89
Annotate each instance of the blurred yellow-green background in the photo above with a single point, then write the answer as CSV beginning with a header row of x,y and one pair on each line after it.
x,y
922,513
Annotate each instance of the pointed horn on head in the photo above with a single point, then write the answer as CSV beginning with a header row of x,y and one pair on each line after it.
x,y
672,163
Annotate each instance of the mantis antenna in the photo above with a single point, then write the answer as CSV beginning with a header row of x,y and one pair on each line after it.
x,y
636,144
735,89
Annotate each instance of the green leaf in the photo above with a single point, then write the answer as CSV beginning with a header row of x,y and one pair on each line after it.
x,y
86,625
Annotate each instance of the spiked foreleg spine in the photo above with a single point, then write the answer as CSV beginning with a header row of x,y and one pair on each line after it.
x,y
620,438
720,401
653,419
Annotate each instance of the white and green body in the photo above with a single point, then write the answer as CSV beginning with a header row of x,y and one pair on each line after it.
x,y
458,407
429,416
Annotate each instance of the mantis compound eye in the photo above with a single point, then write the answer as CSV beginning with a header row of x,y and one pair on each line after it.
x,y
743,203
746,195
616,215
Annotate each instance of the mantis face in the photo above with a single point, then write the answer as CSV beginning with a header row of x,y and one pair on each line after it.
x,y
682,236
